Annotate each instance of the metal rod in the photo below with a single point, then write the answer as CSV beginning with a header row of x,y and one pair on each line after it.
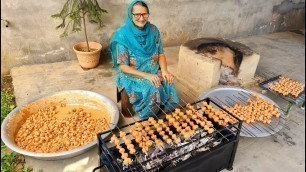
x,y
108,151
212,126
135,153
252,125
172,146
187,124
251,97
271,127
160,108
203,112
247,104
165,113
165,152
142,125
243,127
114,134
103,144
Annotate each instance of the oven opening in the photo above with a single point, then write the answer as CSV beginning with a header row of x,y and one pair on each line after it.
x,y
230,61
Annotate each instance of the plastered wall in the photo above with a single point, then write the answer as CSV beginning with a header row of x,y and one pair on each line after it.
x,y
31,37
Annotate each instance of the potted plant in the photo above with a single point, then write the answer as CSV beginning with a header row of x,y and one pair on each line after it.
x,y
74,14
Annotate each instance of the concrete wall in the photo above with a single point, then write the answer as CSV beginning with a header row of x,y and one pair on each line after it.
x,y
31,38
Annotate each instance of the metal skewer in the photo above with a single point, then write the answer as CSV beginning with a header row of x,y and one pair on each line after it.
x,y
143,126
135,153
122,131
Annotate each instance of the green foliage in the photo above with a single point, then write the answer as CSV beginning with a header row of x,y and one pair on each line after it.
x,y
11,162
3,147
8,162
7,104
27,169
74,11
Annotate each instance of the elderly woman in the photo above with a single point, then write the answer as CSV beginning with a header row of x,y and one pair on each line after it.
x,y
139,57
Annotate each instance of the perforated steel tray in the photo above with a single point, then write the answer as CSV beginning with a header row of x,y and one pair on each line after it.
x,y
229,96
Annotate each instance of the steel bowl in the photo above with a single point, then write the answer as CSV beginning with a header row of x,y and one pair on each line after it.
x,y
14,120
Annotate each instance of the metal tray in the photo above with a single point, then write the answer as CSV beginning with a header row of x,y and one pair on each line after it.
x,y
295,100
72,97
229,96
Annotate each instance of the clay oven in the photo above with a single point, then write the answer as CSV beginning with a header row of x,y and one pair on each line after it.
x,y
207,62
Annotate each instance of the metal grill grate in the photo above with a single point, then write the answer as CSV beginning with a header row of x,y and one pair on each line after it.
x,y
178,156
290,98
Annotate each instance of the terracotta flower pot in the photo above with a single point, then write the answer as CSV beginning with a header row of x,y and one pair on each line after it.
x,y
90,59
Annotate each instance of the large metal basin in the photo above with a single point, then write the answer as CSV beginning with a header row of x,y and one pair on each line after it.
x,y
14,120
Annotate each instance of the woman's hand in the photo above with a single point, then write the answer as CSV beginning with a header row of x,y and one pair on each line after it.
x,y
154,79
168,77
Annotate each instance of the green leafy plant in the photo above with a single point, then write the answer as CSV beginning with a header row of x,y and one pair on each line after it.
x,y
7,104
74,13
11,162
8,162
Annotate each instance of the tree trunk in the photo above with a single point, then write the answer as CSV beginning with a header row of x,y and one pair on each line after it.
x,y
85,31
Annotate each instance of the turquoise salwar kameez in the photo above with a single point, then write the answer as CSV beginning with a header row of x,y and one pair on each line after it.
x,y
140,49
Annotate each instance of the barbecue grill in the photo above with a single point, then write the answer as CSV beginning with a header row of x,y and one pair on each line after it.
x,y
203,151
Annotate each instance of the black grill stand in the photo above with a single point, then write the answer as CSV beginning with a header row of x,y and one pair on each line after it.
x,y
215,159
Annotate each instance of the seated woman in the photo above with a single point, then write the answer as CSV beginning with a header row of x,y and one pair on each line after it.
x,y
139,57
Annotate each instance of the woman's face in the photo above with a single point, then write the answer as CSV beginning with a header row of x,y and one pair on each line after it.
x,y
140,16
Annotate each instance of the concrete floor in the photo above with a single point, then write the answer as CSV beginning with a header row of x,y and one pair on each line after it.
x,y
281,53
